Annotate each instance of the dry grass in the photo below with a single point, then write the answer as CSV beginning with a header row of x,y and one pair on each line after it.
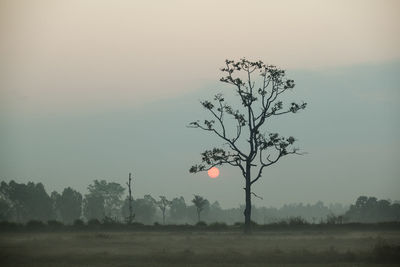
x,y
195,248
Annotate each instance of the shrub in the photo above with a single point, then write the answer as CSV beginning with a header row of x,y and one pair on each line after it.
x,y
78,223
201,224
294,221
218,226
94,223
109,221
137,224
35,224
54,224
9,226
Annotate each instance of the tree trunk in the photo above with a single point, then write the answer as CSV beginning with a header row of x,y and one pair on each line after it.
x,y
163,217
198,216
247,211
130,199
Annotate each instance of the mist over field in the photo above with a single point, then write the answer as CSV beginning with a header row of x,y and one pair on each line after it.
x,y
91,90
349,131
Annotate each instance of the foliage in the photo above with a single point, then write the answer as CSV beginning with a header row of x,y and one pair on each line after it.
x,y
178,209
23,202
145,209
370,209
200,204
111,192
218,226
35,225
94,223
27,201
93,207
78,223
201,224
68,204
5,209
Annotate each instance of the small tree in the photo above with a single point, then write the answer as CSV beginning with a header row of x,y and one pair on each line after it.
x,y
249,148
163,203
200,203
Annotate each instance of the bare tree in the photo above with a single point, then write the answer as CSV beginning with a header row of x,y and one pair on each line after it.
x,y
163,203
200,203
250,147
130,199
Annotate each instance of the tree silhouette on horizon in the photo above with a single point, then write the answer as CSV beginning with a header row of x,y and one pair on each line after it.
x,y
199,202
259,102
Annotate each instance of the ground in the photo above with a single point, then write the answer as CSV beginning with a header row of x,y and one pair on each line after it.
x,y
272,248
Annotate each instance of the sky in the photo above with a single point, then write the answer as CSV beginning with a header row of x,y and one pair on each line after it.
x,y
97,89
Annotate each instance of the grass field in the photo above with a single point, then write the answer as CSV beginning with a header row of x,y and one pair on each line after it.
x,y
304,248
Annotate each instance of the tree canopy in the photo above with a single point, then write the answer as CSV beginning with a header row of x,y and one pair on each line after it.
x,y
248,146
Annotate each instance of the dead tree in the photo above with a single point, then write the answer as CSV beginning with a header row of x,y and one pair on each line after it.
x,y
249,148
130,199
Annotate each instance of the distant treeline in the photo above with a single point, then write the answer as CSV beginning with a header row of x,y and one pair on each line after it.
x,y
106,202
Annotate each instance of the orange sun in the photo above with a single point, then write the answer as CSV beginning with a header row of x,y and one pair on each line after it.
x,y
213,172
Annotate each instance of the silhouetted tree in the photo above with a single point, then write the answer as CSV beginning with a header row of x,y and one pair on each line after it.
x,y
216,212
55,198
93,207
29,201
370,210
200,203
130,199
178,209
259,103
163,203
68,204
111,193
5,210
145,209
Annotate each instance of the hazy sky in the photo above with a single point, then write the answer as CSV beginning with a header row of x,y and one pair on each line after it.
x,y
96,89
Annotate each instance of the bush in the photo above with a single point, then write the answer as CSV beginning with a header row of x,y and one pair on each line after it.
x,y
281,223
35,225
201,224
78,223
241,224
109,221
9,226
332,219
94,223
294,221
253,223
218,226
54,224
